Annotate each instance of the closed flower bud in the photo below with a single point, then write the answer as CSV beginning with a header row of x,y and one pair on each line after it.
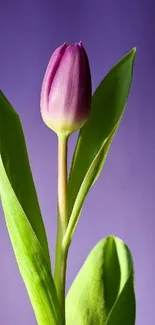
x,y
66,90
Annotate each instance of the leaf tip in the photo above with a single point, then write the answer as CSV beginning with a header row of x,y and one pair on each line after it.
x,y
133,51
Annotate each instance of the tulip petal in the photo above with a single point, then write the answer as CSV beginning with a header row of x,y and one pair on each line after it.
x,y
66,91
50,73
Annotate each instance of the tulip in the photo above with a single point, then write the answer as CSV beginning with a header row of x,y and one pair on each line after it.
x,y
66,90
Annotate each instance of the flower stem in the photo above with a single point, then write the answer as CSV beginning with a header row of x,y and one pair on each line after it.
x,y
61,252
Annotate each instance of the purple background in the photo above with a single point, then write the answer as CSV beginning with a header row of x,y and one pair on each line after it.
x,y
122,202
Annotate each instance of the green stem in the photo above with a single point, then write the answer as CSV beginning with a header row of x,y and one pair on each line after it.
x,y
61,252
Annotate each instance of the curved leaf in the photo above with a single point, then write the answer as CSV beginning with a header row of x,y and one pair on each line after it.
x,y
15,160
23,218
103,291
95,137
31,260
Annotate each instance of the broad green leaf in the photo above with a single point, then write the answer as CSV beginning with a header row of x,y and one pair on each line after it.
x,y
103,291
15,159
23,218
95,137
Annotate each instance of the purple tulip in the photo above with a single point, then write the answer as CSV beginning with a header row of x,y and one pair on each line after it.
x,y
66,90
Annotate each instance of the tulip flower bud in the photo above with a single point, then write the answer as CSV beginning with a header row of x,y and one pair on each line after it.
x,y
66,90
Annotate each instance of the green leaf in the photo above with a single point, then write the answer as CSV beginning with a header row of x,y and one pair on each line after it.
x,y
95,137
103,291
15,159
23,218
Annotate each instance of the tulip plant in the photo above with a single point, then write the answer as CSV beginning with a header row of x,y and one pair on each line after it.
x,y
103,291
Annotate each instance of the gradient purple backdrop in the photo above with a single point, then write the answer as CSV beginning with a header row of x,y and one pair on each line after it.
x,y
122,202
